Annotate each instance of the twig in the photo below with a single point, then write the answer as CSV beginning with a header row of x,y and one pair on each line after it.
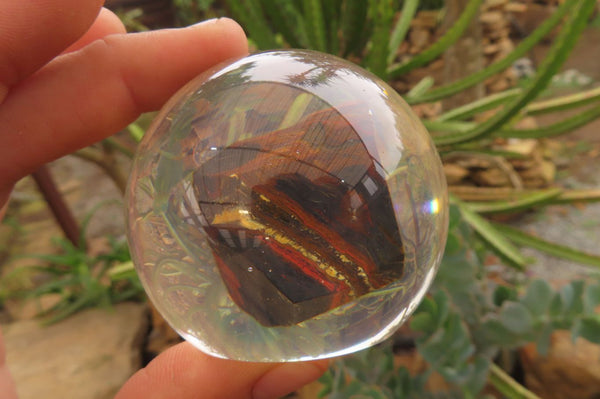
x,y
500,162
506,385
56,203
108,164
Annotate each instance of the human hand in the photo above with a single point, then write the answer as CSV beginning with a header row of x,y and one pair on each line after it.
x,y
70,76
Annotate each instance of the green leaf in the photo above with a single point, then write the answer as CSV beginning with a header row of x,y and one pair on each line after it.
x,y
135,131
591,298
538,297
326,381
503,294
382,13
468,110
423,322
526,201
288,21
433,51
563,103
331,18
551,248
453,244
252,18
574,302
454,218
492,331
588,328
481,366
442,307
523,48
424,84
507,386
585,195
427,305
516,318
315,25
494,238
446,345
409,8
555,129
567,294
333,40
354,26
544,339
452,127
431,313
556,308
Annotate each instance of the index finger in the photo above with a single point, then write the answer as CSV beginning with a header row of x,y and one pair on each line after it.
x,y
84,96
34,32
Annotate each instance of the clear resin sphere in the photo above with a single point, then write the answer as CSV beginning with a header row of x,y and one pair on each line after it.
x,y
286,206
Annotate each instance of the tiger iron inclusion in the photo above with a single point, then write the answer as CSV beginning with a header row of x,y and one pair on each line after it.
x,y
299,219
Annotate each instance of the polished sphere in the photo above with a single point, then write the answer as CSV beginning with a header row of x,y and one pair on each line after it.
x,y
286,206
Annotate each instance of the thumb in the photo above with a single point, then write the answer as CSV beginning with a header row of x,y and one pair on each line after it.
x,y
7,386
184,372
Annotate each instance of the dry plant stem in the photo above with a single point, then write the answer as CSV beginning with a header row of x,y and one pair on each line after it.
x,y
500,162
563,103
57,205
481,194
472,193
508,386
107,163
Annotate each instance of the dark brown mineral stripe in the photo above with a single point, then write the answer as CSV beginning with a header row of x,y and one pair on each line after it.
x,y
298,213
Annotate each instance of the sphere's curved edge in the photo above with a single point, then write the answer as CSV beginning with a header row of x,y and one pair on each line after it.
x,y
248,150
198,344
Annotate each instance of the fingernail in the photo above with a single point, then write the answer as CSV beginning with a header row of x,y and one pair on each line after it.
x,y
206,22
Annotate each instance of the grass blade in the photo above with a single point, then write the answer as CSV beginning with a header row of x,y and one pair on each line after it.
x,y
331,16
507,386
523,203
315,25
555,129
468,110
382,13
564,126
354,26
489,194
564,102
454,127
433,51
424,84
252,18
560,251
552,63
288,21
135,131
585,195
519,51
409,8
493,237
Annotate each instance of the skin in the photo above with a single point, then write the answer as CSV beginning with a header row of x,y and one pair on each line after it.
x,y
70,76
